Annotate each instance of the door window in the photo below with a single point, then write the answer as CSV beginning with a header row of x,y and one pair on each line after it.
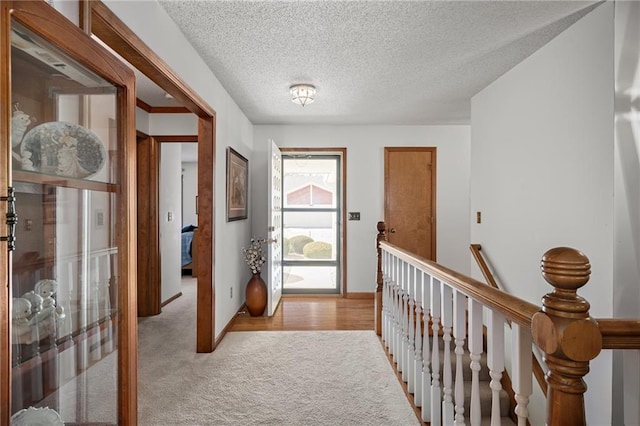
x,y
311,227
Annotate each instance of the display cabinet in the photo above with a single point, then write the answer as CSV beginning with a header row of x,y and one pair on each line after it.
x,y
68,146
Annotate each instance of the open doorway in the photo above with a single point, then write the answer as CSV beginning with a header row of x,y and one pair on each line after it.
x,y
98,20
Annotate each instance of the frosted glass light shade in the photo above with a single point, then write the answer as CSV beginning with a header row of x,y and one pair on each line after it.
x,y
302,94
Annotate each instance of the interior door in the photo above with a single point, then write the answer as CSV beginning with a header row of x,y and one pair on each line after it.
x,y
409,199
274,258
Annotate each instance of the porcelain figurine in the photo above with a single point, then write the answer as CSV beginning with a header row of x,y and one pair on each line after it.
x,y
19,123
27,164
35,299
46,289
20,313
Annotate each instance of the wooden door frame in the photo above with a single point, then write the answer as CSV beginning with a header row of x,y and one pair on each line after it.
x,y
148,190
97,18
387,207
149,264
343,202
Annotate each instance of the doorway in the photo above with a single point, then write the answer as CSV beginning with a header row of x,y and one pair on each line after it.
x,y
312,222
98,20
410,199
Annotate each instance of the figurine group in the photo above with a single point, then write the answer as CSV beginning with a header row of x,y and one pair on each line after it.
x,y
35,314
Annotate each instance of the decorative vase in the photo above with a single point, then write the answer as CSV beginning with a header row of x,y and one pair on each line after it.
x,y
256,295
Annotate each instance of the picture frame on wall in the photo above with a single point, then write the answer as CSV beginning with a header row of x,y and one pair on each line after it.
x,y
237,185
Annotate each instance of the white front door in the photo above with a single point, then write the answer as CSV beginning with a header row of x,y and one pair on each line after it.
x,y
274,258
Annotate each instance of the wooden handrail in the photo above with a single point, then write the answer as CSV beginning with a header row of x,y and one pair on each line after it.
x,y
484,268
619,333
538,371
517,310
562,328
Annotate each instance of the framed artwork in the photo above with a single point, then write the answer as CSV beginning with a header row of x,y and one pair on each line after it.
x,y
237,185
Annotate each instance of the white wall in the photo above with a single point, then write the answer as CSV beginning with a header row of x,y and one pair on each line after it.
x,y
170,203
142,120
232,128
173,124
365,186
626,290
542,172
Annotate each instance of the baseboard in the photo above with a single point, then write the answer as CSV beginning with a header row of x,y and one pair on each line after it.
x,y
226,329
171,299
360,295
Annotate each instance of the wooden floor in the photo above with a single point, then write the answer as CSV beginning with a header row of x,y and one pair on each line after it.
x,y
311,313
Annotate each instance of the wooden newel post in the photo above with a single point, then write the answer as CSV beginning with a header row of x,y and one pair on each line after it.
x,y
566,334
379,280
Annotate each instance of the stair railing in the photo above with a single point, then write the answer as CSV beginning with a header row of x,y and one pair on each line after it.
x,y
538,371
453,304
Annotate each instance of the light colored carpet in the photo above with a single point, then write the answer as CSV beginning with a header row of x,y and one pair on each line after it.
x,y
264,378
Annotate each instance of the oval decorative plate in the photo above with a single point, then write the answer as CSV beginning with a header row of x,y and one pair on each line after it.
x,y
64,149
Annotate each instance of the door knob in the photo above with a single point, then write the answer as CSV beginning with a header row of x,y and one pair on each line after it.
x,y
392,230
271,240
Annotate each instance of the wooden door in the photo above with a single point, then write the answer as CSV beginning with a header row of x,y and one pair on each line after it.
x,y
274,257
410,199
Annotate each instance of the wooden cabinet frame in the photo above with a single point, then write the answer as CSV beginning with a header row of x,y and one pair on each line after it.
x,y
45,21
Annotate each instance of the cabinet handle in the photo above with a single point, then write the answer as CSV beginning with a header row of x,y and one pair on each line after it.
x,y
392,230
12,218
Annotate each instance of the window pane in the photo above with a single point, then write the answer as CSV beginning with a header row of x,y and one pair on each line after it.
x,y
309,277
309,236
309,183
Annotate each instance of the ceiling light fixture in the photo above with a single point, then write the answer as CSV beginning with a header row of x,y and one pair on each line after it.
x,y
302,94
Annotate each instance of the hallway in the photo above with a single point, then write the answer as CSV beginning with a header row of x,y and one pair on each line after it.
x,y
311,313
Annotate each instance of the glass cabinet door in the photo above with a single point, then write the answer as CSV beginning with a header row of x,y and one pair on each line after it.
x,y
66,148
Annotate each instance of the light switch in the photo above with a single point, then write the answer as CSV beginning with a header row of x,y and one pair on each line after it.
x,y
478,217
354,215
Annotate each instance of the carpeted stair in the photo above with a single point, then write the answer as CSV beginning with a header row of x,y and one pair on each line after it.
x,y
485,389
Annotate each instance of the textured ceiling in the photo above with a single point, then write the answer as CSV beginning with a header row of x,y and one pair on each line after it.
x,y
373,62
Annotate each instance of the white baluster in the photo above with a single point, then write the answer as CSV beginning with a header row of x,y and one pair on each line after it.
x,y
521,367
394,308
397,328
447,376
417,394
385,288
495,361
459,330
426,351
411,355
390,306
68,353
94,311
402,349
405,321
475,351
436,393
